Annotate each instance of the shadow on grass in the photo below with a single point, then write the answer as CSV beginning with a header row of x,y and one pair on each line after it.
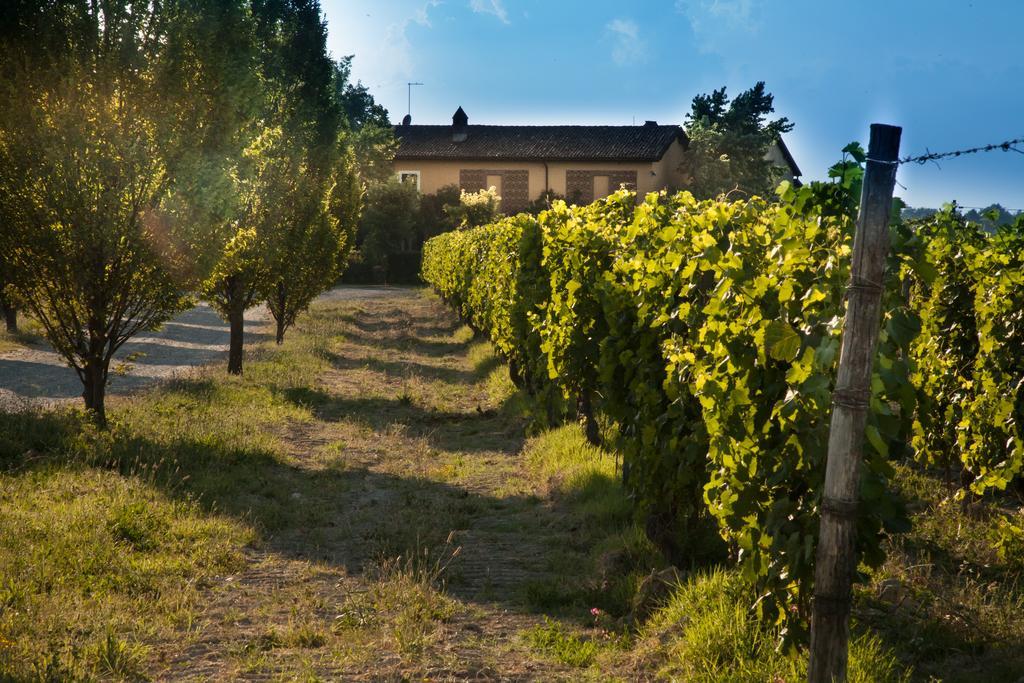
x,y
483,430
350,518
410,342
403,369
941,640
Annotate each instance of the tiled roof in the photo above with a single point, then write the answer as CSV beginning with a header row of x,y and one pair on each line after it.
x,y
537,143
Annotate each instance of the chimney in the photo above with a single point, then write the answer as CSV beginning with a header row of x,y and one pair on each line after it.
x,y
407,120
460,125
650,124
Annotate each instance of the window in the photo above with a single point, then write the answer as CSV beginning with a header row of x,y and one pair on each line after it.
x,y
410,177
602,186
495,182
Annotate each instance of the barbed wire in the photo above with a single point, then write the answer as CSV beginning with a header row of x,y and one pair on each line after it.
x,y
1006,146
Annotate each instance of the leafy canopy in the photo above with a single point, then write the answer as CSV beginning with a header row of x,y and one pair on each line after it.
x,y
729,141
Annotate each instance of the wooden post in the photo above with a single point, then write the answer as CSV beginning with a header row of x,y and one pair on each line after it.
x,y
834,566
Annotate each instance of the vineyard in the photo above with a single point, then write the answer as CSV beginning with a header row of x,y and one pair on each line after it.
x,y
288,393
700,340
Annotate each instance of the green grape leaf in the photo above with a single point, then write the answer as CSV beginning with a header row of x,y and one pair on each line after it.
x,y
781,341
904,326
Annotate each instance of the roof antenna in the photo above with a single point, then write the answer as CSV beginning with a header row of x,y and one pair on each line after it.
x,y
409,113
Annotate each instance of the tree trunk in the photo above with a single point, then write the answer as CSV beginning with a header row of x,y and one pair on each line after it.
x,y
586,411
95,390
280,317
10,316
515,374
236,319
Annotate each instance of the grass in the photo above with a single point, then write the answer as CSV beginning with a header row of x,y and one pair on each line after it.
x,y
96,561
364,503
609,554
706,632
552,638
115,537
946,600
30,333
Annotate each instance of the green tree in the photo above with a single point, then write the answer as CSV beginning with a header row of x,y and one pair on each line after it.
x,y
310,246
81,180
370,132
278,224
357,104
388,223
91,149
729,141
267,177
433,218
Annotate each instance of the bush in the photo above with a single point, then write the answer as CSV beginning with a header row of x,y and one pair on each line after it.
x,y
389,221
970,372
475,208
707,332
433,218
404,268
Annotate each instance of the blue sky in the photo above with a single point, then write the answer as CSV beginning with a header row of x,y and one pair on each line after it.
x,y
950,72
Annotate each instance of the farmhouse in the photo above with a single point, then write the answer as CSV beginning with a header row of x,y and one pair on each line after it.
x,y
582,163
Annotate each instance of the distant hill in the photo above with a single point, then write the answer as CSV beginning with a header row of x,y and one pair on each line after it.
x,y
975,215
910,213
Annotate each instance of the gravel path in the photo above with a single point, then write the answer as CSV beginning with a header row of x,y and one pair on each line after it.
x,y
38,375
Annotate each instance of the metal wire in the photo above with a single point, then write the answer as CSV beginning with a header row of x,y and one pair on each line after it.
x,y
1007,146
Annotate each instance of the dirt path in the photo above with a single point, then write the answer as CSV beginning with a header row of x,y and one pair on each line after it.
x,y
38,375
411,542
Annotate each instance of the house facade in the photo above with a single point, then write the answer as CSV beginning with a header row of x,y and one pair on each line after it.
x,y
581,163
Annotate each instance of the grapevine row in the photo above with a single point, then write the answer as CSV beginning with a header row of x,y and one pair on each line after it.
x,y
707,332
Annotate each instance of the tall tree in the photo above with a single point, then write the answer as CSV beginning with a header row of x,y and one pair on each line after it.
x,y
277,219
268,174
370,134
729,141
93,143
310,247
357,104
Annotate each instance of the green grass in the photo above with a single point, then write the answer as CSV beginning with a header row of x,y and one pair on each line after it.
x,y
111,538
609,555
555,640
707,633
30,333
96,561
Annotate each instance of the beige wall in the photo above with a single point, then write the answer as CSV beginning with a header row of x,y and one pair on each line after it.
x,y
650,177
667,175
778,160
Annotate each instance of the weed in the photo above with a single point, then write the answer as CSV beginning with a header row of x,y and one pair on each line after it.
x,y
116,657
137,524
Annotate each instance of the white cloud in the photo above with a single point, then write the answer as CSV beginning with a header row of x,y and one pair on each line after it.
x,y
378,34
420,15
628,47
494,7
717,24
